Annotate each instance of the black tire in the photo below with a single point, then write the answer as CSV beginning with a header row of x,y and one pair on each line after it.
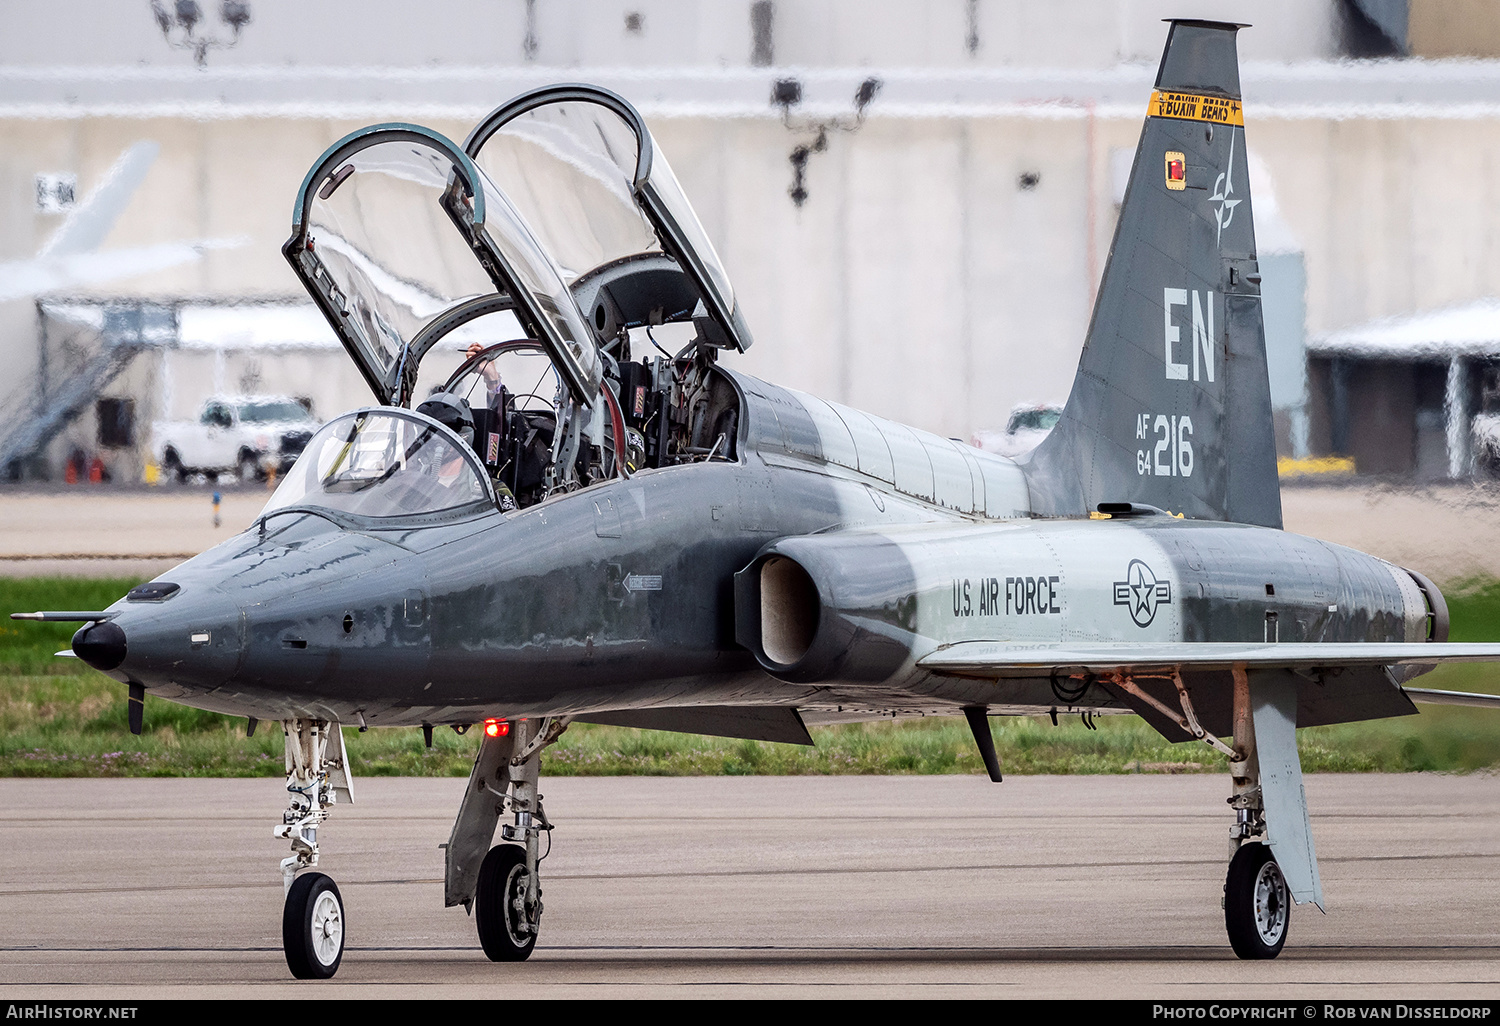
x,y
172,464
1257,903
502,880
247,468
312,927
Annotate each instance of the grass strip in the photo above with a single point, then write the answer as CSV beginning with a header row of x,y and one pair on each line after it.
x,y
59,718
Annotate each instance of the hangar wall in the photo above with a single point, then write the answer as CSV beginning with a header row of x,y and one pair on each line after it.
x,y
943,264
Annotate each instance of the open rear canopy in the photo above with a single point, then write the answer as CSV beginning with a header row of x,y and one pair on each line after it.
x,y
579,164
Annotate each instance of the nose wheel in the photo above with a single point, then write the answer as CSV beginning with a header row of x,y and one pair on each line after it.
x,y
312,927
1257,903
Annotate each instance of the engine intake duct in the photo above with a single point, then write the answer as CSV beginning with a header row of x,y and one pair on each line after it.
x,y
828,607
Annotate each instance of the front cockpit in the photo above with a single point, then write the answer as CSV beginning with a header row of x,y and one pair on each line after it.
x,y
544,294
381,463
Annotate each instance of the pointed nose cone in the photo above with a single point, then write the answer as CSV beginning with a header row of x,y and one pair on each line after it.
x,y
101,645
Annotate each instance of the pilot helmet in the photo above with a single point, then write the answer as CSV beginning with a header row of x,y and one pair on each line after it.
x,y
451,411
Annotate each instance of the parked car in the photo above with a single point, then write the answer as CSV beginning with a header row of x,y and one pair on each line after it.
x,y
248,435
1029,423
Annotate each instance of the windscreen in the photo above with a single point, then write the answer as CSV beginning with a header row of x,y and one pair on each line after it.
x,y
382,463
445,357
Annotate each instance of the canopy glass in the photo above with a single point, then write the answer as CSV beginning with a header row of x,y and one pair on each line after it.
x,y
384,463
395,230
580,166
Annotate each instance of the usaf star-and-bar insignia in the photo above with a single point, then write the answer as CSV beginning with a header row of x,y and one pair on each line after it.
x,y
1142,592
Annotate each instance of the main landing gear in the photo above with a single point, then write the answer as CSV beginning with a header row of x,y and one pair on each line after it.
x,y
1258,895
501,886
312,922
1257,901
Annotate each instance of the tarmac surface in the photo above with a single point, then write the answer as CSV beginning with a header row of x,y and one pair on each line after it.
x,y
1041,887
1448,532
827,887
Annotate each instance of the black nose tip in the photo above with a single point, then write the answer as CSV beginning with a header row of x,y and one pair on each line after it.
x,y
101,645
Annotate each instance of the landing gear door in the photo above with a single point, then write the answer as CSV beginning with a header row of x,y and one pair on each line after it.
x,y
395,229
580,166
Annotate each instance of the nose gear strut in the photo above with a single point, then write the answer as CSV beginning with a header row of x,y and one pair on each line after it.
x,y
317,770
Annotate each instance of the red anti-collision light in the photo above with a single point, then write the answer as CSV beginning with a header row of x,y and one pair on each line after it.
x,y
496,728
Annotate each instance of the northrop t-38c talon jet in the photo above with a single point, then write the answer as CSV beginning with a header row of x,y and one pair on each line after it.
x,y
567,507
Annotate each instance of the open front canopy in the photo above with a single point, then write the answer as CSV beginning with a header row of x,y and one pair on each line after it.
x,y
580,166
396,229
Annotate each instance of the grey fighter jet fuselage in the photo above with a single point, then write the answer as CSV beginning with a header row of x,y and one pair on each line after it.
x,y
621,597
659,541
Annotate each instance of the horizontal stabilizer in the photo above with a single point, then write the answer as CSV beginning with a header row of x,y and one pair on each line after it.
x,y
988,659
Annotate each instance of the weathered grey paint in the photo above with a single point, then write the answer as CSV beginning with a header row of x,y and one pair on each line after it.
x,y
1171,405
913,543
529,613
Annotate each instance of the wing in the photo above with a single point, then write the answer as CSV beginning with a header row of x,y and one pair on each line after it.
x,y
1365,687
997,659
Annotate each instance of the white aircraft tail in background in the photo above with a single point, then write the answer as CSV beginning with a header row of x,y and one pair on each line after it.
x,y
69,258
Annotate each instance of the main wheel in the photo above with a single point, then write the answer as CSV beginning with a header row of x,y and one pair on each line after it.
x,y
312,927
506,932
1257,903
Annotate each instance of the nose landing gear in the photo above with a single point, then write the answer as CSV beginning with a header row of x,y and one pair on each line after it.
x,y
507,921
312,927
312,921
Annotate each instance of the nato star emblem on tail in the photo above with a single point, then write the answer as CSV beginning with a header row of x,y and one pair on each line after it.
x,y
1223,189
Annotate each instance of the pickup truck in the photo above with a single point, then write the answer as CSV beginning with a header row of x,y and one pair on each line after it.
x,y
1029,423
248,435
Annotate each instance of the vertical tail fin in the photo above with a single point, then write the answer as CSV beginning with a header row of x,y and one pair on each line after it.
x,y
1171,405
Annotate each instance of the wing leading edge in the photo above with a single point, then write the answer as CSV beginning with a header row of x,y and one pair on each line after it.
x,y
990,659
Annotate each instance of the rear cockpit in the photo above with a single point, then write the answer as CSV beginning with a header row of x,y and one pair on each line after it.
x,y
545,293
